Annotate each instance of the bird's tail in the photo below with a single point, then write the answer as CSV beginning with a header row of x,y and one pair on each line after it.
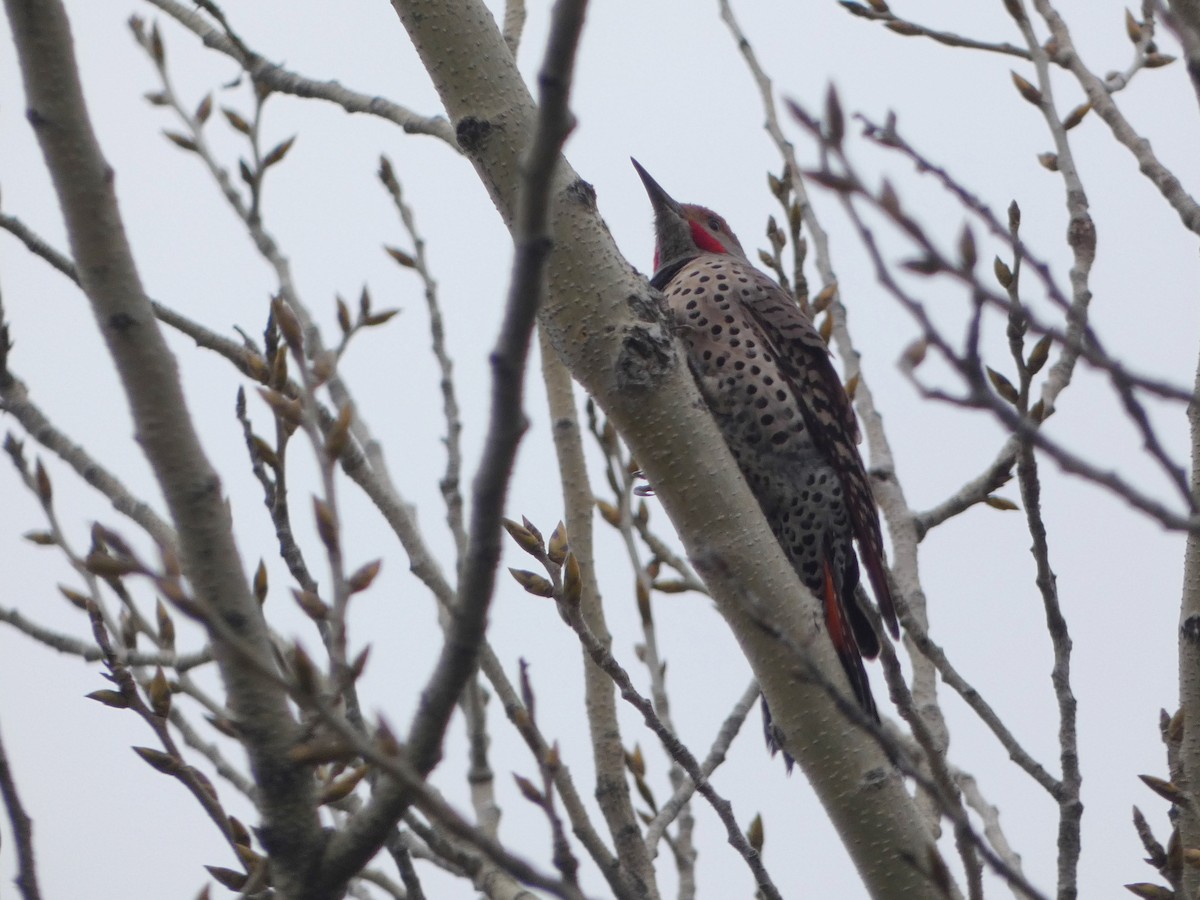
x,y
841,621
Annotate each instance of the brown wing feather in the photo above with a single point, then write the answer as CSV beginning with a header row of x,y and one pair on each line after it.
x,y
804,359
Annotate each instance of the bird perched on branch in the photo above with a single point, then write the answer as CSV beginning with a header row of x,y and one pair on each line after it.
x,y
768,380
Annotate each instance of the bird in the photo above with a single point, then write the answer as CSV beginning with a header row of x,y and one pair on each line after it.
x,y
768,380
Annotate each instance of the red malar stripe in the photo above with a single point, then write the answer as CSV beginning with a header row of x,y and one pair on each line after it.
x,y
704,240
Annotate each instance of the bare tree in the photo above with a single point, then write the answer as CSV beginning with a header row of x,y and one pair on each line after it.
x,y
335,788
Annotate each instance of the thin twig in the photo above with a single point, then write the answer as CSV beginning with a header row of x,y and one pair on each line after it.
x,y
908,28
64,643
174,764
716,755
214,754
1081,230
577,813
1106,108
408,873
205,338
449,823
385,884
1068,795
989,814
22,831
931,651
277,78
489,880
437,331
997,474
547,762
15,400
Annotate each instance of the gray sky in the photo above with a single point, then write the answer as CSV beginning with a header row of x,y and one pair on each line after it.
x,y
662,82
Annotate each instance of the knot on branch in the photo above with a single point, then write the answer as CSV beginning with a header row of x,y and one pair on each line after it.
x,y
1081,236
646,355
121,322
583,192
650,308
472,134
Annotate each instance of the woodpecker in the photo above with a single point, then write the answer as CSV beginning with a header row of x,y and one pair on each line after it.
x,y
768,380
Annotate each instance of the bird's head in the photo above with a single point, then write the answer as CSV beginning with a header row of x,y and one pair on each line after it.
x,y
683,230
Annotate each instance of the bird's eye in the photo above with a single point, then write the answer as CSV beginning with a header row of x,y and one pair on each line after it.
x,y
714,224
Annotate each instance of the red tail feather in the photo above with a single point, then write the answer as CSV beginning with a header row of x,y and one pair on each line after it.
x,y
837,621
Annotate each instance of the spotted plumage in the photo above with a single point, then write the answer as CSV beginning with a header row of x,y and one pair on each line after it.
x,y
767,378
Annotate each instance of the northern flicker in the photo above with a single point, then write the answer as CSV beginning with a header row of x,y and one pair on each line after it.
x,y
768,380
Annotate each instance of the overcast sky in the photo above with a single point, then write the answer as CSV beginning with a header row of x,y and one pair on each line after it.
x,y
663,82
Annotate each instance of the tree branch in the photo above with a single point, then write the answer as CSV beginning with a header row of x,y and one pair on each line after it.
x,y
22,831
716,755
458,659
1106,108
1189,668
83,181
608,754
908,28
288,82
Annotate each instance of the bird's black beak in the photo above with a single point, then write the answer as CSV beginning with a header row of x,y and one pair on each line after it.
x,y
659,199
